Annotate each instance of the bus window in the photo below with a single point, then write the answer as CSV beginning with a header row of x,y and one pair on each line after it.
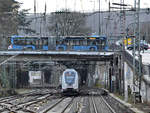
x,y
16,41
71,43
85,43
81,42
77,42
93,42
36,42
57,42
66,42
89,42
40,42
33,42
45,42
28,42
74,42
23,42
101,44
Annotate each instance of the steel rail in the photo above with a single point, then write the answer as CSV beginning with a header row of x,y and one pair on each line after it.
x,y
14,108
110,108
69,104
51,107
94,105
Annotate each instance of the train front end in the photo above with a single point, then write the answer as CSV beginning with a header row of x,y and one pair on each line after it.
x,y
70,81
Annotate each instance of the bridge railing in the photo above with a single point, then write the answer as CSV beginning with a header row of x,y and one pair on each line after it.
x,y
129,59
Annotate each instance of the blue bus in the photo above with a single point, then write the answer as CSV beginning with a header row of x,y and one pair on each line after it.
x,y
82,43
29,43
75,43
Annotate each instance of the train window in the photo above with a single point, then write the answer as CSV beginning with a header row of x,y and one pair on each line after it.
x,y
67,73
72,74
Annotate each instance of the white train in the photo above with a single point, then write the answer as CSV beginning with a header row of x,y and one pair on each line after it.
x,y
70,81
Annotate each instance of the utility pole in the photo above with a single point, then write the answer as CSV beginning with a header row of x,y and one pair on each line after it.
x,y
137,35
133,52
122,32
99,20
139,56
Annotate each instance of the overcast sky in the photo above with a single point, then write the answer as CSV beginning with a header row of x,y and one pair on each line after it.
x,y
76,5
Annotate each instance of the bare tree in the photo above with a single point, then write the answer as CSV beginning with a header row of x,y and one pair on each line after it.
x,y
23,22
8,23
68,23
12,20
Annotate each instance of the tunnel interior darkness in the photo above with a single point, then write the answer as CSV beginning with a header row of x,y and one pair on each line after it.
x,y
22,79
47,75
23,76
83,75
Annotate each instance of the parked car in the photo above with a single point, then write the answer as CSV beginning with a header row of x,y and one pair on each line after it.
x,y
142,46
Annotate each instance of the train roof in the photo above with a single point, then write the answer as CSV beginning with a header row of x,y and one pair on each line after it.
x,y
69,70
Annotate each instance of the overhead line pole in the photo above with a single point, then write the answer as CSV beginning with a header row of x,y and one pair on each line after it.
x,y
133,52
99,20
122,33
139,56
137,35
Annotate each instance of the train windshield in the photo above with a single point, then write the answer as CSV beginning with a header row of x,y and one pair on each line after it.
x,y
70,77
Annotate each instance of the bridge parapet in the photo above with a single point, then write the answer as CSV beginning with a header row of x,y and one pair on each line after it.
x,y
58,55
54,53
129,59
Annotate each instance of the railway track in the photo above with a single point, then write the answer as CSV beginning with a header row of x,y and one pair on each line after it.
x,y
99,105
116,105
60,106
20,103
45,102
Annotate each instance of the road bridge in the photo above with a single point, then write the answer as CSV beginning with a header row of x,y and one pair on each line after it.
x,y
57,55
